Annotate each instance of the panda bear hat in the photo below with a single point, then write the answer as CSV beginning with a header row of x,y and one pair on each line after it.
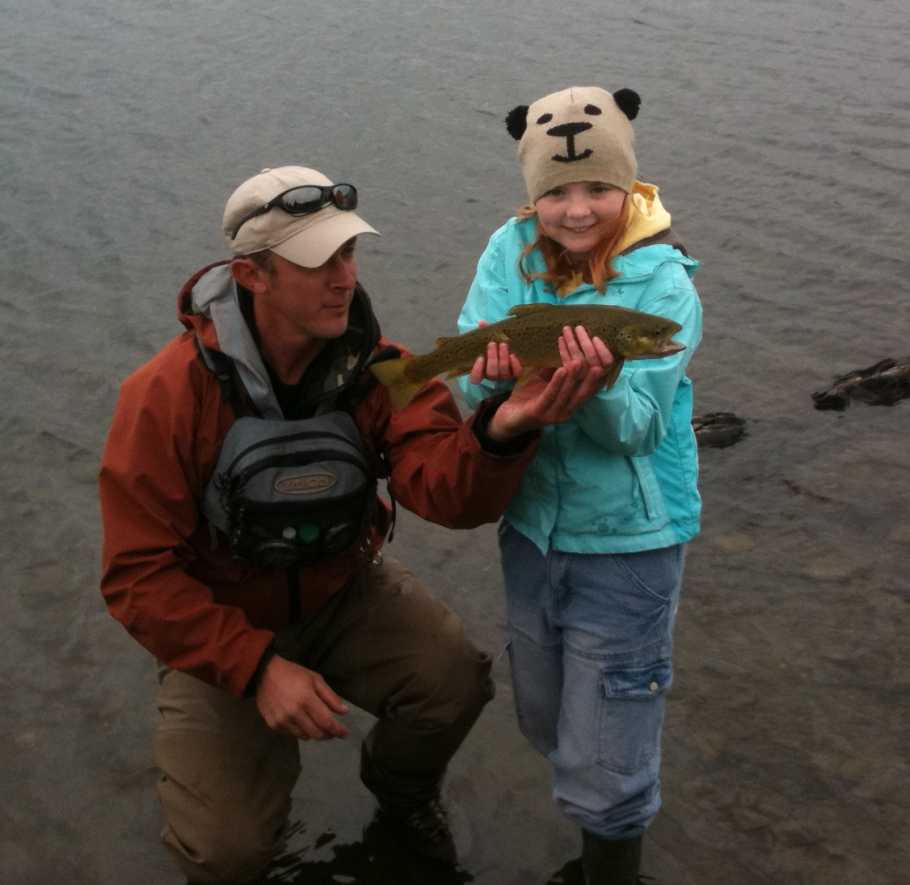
x,y
582,133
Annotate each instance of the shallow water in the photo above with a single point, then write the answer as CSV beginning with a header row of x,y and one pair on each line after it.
x,y
780,136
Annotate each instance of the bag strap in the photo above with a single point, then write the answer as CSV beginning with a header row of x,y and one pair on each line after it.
x,y
390,352
665,237
222,367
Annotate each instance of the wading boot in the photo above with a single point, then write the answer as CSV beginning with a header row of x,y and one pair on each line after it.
x,y
610,861
423,829
410,810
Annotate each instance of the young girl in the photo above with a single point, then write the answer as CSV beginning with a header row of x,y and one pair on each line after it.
x,y
593,543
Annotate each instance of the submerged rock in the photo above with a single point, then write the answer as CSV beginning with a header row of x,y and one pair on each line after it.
x,y
883,384
718,429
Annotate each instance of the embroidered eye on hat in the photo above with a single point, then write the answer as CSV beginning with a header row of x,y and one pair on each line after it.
x,y
582,133
307,240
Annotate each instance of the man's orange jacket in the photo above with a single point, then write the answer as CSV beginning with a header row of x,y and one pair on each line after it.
x,y
171,580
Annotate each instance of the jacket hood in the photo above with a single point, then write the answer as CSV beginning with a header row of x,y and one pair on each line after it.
x,y
209,305
647,216
649,240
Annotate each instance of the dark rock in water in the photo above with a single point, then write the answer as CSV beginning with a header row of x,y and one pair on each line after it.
x,y
718,429
883,384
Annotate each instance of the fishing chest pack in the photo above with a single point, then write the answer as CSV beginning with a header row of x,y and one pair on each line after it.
x,y
287,493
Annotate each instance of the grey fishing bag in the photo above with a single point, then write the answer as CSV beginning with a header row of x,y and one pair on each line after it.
x,y
286,493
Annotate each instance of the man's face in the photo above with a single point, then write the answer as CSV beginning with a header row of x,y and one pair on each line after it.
x,y
312,302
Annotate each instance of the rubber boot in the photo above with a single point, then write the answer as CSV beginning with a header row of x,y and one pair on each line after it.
x,y
610,861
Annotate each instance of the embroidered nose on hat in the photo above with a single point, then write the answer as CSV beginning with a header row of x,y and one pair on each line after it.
x,y
569,131
590,139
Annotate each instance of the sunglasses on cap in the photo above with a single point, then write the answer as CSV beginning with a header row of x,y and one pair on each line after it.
x,y
306,199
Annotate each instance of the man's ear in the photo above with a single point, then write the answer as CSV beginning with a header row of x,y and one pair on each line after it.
x,y
249,275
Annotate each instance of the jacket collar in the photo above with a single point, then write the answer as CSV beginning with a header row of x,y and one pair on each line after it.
x,y
209,304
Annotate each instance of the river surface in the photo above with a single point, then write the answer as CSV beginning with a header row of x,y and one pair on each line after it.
x,y
780,136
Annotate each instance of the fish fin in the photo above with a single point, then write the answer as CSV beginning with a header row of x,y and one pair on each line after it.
x,y
523,309
613,373
391,374
500,337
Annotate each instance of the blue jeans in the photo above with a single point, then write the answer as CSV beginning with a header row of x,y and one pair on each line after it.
x,y
591,641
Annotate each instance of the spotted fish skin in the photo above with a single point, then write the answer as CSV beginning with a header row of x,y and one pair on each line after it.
x,y
532,332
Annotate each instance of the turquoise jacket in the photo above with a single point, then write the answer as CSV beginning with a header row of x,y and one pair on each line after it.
x,y
621,475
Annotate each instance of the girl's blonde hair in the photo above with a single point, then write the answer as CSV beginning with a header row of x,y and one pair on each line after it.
x,y
561,274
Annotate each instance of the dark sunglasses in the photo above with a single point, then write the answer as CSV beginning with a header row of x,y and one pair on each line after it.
x,y
306,199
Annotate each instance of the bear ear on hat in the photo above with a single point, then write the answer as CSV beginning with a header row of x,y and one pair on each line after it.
x,y
517,121
628,101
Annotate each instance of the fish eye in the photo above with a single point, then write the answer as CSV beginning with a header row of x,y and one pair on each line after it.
x,y
544,118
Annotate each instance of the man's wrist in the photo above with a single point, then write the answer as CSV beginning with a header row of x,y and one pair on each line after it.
x,y
266,658
493,437
499,431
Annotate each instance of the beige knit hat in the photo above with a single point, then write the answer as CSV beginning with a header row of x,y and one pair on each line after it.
x,y
582,133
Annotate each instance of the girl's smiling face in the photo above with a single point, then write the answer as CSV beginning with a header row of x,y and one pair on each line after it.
x,y
581,214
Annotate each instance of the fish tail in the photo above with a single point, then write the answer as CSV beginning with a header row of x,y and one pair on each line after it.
x,y
391,374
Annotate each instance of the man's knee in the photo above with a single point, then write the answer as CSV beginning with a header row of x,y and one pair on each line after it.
x,y
225,844
225,803
452,682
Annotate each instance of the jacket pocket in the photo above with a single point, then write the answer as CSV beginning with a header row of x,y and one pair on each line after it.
x,y
651,495
630,500
631,716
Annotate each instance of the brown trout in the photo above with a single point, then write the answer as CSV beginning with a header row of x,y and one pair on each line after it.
x,y
532,332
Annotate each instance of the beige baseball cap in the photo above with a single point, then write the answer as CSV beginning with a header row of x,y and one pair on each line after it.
x,y
307,240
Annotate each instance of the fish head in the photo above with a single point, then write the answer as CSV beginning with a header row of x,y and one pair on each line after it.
x,y
649,338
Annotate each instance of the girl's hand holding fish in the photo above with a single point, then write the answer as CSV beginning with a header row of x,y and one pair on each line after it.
x,y
582,346
499,364
550,396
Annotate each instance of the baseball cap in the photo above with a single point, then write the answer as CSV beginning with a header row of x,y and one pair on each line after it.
x,y
306,240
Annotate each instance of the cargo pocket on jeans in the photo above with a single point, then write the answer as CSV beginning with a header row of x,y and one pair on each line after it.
x,y
631,715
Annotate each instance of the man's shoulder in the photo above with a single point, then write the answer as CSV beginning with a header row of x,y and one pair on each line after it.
x,y
172,365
